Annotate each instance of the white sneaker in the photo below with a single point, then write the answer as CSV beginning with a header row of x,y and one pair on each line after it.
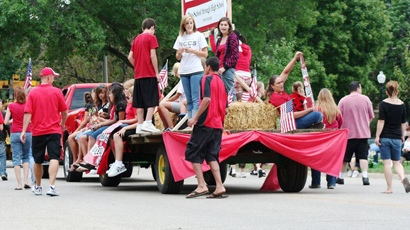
x,y
147,126
111,166
139,130
349,173
355,174
241,175
93,172
37,190
117,170
52,191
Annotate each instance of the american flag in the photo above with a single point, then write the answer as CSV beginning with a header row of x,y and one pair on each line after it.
x,y
287,120
164,77
27,82
245,96
230,96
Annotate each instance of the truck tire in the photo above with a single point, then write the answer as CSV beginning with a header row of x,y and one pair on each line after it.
x,y
154,175
45,172
209,178
67,161
291,175
110,181
165,179
128,173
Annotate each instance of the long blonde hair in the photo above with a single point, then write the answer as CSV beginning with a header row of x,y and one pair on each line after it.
x,y
327,105
184,21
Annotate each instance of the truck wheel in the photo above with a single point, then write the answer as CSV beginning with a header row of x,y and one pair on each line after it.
x,y
45,172
291,175
165,179
110,181
209,178
154,175
68,160
128,173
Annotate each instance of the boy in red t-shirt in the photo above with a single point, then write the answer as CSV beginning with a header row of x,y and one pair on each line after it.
x,y
144,58
43,107
206,138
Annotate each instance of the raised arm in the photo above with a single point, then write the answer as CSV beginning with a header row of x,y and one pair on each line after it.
x,y
285,73
131,58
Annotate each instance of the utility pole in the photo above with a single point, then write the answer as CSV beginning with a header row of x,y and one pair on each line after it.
x,y
105,70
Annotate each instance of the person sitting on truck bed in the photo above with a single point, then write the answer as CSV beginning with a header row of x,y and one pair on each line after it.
x,y
276,95
176,104
89,105
127,128
117,113
206,138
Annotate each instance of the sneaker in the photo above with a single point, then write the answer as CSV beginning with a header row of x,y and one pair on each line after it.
x,y
117,170
4,177
313,186
52,191
111,166
232,173
366,181
355,174
350,173
406,184
139,130
331,186
167,130
93,172
241,175
318,126
261,173
147,126
254,173
340,181
37,190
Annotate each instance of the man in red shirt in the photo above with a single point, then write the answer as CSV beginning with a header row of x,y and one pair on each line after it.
x,y
144,58
46,109
205,141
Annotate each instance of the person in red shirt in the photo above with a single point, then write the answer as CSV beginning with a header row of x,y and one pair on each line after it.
x,y
21,152
206,138
144,59
299,100
47,110
3,155
276,95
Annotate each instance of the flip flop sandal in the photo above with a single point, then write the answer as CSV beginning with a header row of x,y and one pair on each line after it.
x,y
87,166
385,192
196,194
18,189
27,186
217,196
82,169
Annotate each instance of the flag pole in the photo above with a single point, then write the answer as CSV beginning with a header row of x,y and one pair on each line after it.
x,y
166,63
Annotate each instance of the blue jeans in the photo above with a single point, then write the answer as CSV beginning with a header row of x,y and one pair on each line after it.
x,y
390,149
228,79
308,120
21,152
3,158
331,180
191,88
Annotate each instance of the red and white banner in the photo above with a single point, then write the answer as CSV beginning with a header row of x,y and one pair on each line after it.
x,y
206,12
95,154
308,89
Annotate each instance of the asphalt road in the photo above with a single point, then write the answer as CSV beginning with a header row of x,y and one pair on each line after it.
x,y
137,204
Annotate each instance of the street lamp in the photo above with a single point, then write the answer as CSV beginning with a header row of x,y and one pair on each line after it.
x,y
381,78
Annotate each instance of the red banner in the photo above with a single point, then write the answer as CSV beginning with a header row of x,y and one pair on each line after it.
x,y
323,151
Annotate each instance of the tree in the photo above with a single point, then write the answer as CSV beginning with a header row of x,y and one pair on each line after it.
x,y
349,38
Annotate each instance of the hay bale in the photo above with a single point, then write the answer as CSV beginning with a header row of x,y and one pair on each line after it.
x,y
158,121
251,116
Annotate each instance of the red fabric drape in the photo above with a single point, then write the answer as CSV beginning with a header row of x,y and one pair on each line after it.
x,y
323,151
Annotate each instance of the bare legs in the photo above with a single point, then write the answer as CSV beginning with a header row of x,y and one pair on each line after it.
x,y
17,171
202,187
389,175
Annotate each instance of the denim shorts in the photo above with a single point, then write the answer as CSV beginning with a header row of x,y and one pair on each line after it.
x,y
390,149
21,152
87,133
97,132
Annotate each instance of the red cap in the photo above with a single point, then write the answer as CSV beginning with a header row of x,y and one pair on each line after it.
x,y
48,71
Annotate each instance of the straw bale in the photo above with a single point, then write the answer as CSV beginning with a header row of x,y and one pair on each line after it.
x,y
158,121
251,116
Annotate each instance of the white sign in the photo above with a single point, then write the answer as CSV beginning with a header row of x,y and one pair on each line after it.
x,y
208,13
